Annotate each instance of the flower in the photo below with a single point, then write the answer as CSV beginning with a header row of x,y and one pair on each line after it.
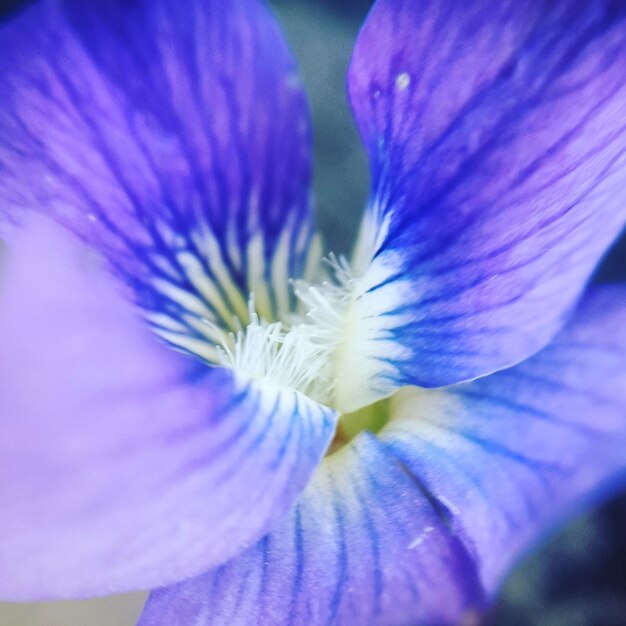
x,y
473,408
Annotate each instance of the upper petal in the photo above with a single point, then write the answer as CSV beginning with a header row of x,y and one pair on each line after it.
x,y
123,464
497,144
419,524
174,138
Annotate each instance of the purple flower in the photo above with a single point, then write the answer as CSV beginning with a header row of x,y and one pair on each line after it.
x,y
467,407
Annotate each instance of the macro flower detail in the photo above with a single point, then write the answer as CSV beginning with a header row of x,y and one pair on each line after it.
x,y
195,401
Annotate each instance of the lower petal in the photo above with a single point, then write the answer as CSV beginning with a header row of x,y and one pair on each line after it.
x,y
512,455
363,546
123,464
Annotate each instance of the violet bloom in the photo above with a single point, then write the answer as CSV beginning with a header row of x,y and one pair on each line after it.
x,y
168,405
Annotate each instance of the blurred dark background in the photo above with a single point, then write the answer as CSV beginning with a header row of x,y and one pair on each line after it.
x,y
579,577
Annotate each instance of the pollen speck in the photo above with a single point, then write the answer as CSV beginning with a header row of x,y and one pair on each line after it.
x,y
403,80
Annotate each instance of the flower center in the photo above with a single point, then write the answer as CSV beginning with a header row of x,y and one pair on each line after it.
x,y
372,418
290,356
300,352
307,335
305,352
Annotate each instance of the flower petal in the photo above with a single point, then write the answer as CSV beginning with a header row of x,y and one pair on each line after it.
x,y
174,139
362,546
497,144
512,454
124,464
418,525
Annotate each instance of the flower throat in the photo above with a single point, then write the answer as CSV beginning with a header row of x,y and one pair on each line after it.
x,y
299,352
